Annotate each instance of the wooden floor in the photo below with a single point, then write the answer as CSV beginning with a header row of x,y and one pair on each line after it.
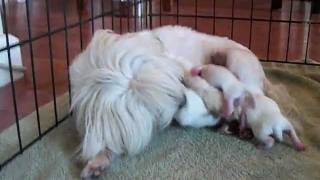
x,y
17,25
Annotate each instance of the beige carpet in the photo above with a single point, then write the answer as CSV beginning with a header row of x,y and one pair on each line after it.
x,y
180,153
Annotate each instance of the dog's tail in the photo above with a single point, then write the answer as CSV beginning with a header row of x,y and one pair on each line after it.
x,y
120,104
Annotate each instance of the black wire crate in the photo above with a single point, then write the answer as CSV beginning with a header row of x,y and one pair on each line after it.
x,y
40,38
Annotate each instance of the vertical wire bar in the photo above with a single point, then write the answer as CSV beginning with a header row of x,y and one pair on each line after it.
x,y
92,20
251,17
160,18
128,15
102,13
11,76
67,45
308,38
34,82
196,17
120,11
135,15
177,16
269,36
289,30
214,18
232,20
51,64
150,14
80,29
112,15
141,18
146,13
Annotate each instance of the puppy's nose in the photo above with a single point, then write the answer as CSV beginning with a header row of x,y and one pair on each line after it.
x,y
196,71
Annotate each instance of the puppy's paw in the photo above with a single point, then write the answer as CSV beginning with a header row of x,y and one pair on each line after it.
x,y
226,130
266,144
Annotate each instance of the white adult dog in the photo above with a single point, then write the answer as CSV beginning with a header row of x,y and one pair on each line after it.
x,y
126,87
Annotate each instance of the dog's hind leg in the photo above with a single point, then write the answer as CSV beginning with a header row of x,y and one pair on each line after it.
x,y
97,164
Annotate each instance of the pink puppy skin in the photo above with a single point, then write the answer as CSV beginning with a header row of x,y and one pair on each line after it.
x,y
196,71
300,147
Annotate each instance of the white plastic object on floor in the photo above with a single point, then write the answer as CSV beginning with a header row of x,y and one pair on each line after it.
x,y
16,61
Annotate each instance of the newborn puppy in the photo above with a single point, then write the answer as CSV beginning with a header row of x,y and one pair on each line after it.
x,y
210,95
213,100
258,112
245,66
266,119
234,91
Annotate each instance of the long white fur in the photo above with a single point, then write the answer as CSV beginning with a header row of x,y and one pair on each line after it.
x,y
246,66
124,87
194,47
199,48
121,96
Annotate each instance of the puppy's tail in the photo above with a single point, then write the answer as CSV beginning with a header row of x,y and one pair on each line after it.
x,y
120,104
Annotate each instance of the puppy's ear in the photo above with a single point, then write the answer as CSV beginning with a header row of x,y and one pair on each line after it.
x,y
249,100
228,107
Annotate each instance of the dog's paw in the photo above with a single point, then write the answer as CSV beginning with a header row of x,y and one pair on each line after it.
x,y
91,170
97,165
